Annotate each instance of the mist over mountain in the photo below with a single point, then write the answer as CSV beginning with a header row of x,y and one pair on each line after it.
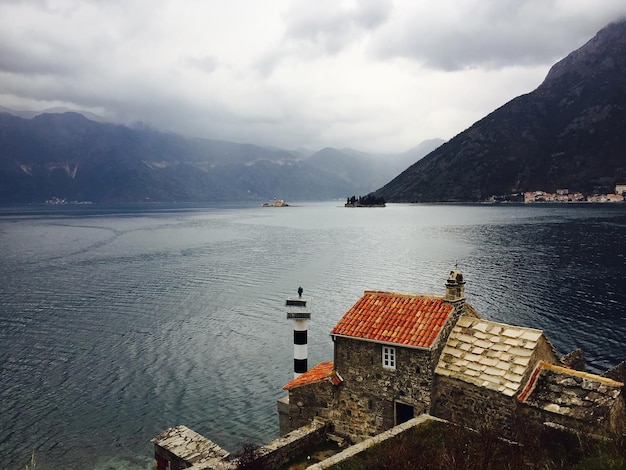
x,y
363,170
568,133
67,156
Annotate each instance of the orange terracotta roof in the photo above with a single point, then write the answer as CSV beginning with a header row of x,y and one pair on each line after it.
x,y
389,317
319,372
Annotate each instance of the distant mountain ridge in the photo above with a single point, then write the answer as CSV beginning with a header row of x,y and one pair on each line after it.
x,y
568,133
67,156
365,170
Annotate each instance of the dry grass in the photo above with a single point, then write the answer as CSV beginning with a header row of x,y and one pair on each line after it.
x,y
438,446
33,462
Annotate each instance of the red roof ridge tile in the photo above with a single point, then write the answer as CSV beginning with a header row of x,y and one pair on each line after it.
x,y
320,372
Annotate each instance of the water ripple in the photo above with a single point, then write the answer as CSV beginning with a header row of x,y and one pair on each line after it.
x,y
113,328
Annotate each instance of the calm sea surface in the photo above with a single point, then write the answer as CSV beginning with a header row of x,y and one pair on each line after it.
x,y
116,323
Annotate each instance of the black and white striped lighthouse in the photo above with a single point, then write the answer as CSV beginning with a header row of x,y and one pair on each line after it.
x,y
299,310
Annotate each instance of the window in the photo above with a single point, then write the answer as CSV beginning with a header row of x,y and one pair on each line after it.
x,y
389,357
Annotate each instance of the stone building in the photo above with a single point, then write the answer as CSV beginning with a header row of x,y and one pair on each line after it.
x,y
482,366
385,351
399,355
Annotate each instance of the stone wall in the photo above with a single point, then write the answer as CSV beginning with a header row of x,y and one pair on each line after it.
x,y
366,399
617,373
280,451
475,407
284,421
575,400
310,401
165,459
179,447
617,420
544,351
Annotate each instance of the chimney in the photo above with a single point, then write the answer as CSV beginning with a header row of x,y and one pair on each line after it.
x,y
299,310
455,287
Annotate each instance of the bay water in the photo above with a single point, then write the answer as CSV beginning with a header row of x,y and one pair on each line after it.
x,y
117,322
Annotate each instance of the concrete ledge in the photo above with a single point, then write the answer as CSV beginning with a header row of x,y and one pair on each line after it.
x,y
372,441
180,447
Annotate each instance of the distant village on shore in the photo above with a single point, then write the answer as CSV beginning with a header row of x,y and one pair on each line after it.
x,y
560,196
563,195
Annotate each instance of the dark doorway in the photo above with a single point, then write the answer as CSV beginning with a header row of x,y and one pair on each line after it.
x,y
403,413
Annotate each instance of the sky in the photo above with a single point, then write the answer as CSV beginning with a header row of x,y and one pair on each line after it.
x,y
373,75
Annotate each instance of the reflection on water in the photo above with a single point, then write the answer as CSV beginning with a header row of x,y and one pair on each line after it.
x,y
117,324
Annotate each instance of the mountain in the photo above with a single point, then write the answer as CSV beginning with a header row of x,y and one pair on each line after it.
x,y
568,133
365,171
68,156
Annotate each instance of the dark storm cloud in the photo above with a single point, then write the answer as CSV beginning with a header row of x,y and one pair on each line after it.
x,y
313,29
36,56
493,34
373,74
332,28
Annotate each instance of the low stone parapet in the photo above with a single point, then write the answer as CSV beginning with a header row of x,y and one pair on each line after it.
x,y
282,450
351,451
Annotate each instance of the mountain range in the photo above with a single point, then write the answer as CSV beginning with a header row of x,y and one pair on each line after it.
x,y
568,133
70,157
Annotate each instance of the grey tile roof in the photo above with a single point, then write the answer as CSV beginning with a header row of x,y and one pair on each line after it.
x,y
572,393
488,354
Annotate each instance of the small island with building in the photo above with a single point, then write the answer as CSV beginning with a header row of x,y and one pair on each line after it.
x,y
365,201
276,203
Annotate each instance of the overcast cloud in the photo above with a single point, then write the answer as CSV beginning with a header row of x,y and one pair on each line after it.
x,y
375,75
